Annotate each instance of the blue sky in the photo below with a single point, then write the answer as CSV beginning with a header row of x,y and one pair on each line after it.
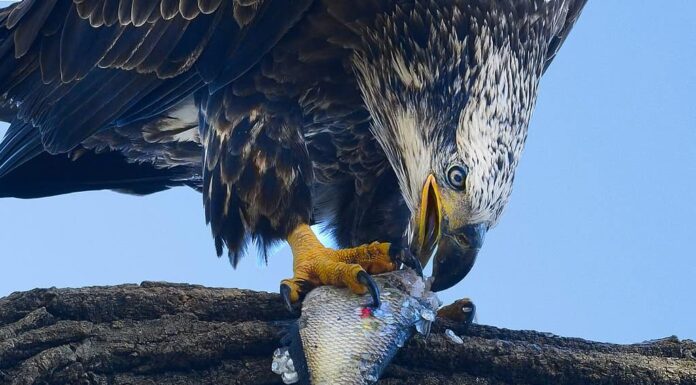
x,y
597,241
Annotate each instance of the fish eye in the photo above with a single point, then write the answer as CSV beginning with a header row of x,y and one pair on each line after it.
x,y
456,176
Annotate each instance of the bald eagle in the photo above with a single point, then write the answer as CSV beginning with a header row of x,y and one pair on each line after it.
x,y
397,124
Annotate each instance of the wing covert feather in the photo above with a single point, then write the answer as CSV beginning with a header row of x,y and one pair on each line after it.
x,y
75,67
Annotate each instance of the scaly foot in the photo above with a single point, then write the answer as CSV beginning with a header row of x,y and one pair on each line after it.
x,y
315,265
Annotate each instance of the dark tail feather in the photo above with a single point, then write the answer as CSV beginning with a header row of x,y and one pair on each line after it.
x,y
48,175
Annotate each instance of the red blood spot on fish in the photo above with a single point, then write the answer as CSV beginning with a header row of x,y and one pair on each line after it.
x,y
365,312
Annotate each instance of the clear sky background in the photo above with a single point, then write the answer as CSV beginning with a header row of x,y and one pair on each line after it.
x,y
597,242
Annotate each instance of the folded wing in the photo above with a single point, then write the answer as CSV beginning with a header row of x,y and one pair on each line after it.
x,y
73,68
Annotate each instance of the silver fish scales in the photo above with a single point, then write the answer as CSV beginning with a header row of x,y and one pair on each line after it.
x,y
340,340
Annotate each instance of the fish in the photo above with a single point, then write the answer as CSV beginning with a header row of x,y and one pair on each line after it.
x,y
342,339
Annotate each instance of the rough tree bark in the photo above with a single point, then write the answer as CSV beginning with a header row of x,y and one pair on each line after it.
x,y
160,333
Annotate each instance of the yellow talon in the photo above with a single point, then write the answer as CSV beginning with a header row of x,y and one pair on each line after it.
x,y
316,265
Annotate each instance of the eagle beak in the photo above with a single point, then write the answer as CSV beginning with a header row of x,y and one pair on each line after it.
x,y
456,250
456,255
428,230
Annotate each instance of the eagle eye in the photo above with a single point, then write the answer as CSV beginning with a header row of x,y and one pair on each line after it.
x,y
456,176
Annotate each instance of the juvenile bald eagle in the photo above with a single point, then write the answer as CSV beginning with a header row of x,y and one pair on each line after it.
x,y
399,124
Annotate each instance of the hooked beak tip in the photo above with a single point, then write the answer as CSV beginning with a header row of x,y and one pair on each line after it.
x,y
455,258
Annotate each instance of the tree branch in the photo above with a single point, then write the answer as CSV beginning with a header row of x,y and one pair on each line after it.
x,y
161,333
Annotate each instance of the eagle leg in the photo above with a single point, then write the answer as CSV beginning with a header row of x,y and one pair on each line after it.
x,y
316,265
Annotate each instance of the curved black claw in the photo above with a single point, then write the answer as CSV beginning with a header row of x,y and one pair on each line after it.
x,y
285,294
469,309
372,287
405,257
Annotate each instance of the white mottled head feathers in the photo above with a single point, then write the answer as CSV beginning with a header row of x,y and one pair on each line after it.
x,y
460,90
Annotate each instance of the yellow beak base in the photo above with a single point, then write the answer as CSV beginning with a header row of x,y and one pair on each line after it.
x,y
429,220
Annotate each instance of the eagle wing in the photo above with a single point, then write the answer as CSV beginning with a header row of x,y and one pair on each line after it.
x,y
71,68
573,9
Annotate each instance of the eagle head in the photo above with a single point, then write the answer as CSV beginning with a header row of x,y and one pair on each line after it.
x,y
451,96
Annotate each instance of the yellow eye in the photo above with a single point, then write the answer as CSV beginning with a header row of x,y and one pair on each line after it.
x,y
456,176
